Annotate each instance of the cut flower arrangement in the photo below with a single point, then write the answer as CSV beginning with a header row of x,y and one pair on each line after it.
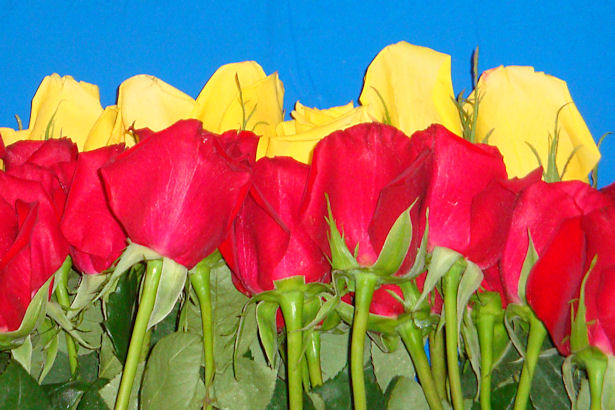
x,y
419,250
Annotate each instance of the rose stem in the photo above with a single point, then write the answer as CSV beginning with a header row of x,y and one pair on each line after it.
x,y
64,300
450,282
200,280
485,336
413,340
312,353
365,285
438,364
291,303
537,335
595,366
146,305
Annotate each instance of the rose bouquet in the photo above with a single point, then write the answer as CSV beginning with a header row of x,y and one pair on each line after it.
x,y
419,250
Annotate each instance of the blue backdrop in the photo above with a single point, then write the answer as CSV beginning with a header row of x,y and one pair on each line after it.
x,y
320,48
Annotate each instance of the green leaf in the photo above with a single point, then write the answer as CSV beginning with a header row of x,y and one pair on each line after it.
x,y
548,390
120,311
109,392
172,280
18,390
388,366
336,394
91,399
227,305
503,396
252,388
396,245
334,353
279,399
109,365
406,394
90,324
172,378
167,326
66,395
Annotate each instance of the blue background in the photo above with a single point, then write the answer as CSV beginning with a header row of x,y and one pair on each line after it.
x,y
320,48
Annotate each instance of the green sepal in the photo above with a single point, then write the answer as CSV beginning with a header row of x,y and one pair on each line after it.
x,y
396,245
419,262
35,313
86,293
471,342
531,256
132,255
267,329
579,339
57,314
23,354
515,312
341,257
170,287
442,259
471,279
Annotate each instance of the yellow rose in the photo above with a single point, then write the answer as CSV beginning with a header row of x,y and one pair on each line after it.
x,y
520,106
298,137
413,85
107,130
61,107
219,105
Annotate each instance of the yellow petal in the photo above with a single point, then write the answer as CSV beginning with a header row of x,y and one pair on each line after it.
x,y
219,106
64,107
146,101
416,88
10,136
298,137
520,105
106,130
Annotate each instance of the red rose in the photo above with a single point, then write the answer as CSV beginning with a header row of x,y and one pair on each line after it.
x,y
51,163
177,191
540,210
371,176
468,197
31,246
555,281
95,236
267,242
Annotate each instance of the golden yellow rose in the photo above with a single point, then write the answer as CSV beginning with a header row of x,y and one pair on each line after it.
x,y
410,87
519,107
143,101
61,107
241,96
298,137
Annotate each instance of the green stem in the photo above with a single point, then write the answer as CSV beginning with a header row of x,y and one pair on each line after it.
x,y
365,285
537,335
146,305
61,279
312,354
595,364
450,283
200,279
485,325
596,380
438,364
413,340
291,303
